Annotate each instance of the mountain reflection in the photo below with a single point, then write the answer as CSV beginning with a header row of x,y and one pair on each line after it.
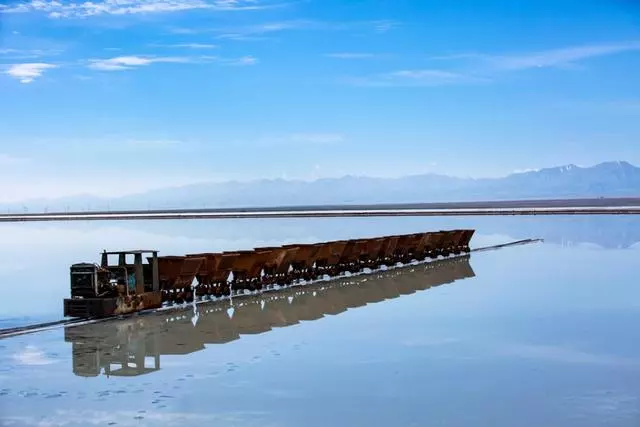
x,y
134,346
605,231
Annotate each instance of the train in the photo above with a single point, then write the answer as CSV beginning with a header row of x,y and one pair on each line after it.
x,y
141,280
135,345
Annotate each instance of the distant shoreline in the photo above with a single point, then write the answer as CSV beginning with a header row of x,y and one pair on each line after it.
x,y
599,206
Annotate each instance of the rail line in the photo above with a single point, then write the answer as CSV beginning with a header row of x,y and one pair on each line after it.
x,y
558,207
41,327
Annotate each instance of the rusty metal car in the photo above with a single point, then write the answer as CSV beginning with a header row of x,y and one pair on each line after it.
x,y
125,287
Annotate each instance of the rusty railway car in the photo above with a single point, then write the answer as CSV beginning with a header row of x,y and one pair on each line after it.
x,y
131,284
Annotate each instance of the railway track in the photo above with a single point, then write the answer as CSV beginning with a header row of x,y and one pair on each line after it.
x,y
40,327
343,213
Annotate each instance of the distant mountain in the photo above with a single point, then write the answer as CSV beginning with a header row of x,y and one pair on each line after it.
x,y
610,179
605,179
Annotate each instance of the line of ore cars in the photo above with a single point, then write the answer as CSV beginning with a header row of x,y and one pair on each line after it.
x,y
126,287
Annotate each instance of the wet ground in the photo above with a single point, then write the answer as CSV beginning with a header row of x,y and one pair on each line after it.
x,y
533,335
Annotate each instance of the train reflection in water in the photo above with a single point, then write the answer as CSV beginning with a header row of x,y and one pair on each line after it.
x,y
133,346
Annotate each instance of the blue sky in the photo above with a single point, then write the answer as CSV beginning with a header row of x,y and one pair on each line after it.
x,y
114,96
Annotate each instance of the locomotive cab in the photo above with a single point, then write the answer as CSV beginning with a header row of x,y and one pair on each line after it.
x,y
84,280
106,289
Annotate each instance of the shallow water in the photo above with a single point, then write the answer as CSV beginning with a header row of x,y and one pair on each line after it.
x,y
533,335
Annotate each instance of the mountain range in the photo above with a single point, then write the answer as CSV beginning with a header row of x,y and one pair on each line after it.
x,y
609,179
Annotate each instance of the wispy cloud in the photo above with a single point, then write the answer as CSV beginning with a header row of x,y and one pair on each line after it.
x,y
243,61
482,68
123,63
20,54
27,73
384,25
560,57
422,77
239,37
7,51
130,62
256,31
60,9
261,31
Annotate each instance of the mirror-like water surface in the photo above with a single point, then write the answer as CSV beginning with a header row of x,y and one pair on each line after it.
x,y
35,257
533,335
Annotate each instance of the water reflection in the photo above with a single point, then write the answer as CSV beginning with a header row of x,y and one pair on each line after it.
x,y
55,246
134,346
540,326
606,231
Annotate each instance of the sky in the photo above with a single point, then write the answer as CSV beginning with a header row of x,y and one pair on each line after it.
x,y
111,97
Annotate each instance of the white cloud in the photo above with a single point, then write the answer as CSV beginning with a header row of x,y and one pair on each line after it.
x,y
384,26
481,68
28,53
254,31
239,37
245,60
422,77
560,57
28,72
259,31
129,62
59,9
425,74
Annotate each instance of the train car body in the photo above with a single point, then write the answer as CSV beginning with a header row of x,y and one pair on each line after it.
x,y
141,280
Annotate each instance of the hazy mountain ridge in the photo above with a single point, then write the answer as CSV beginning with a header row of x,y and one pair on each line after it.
x,y
609,179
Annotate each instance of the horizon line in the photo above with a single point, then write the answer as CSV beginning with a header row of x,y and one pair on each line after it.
x,y
301,180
